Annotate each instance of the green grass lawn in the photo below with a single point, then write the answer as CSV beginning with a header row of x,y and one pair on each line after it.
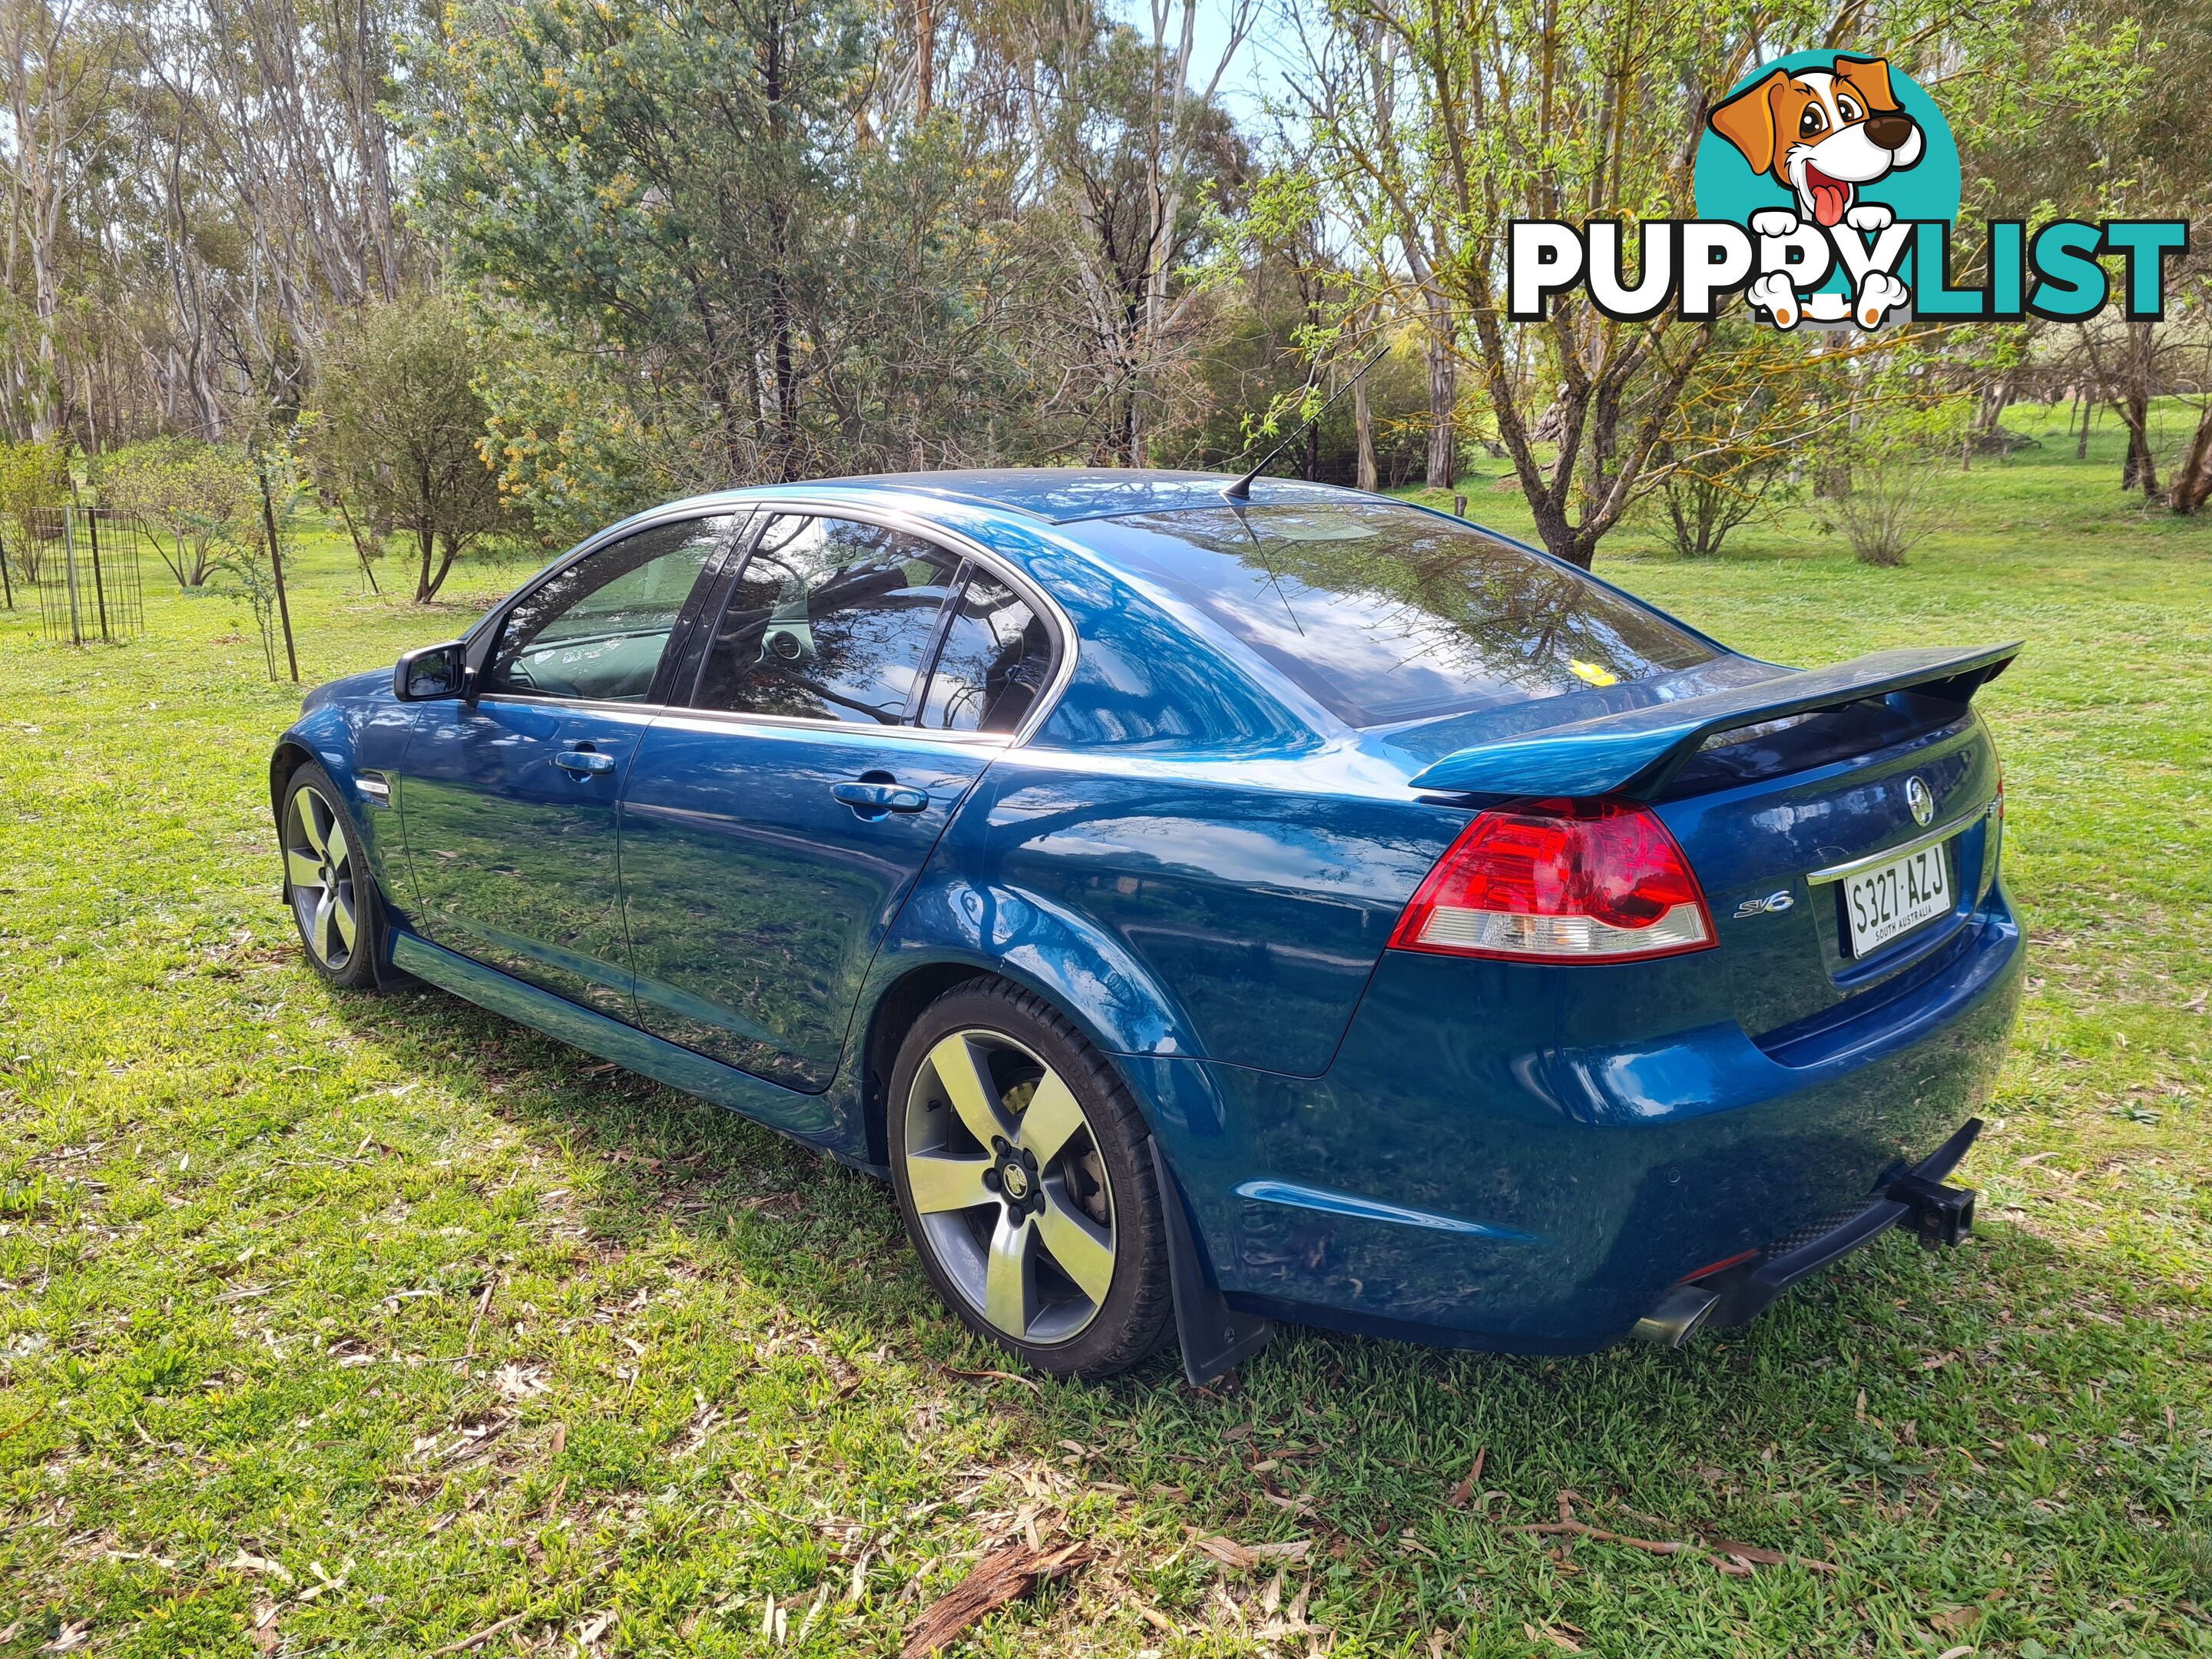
x,y
355,1323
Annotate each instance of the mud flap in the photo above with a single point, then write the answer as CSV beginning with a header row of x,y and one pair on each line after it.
x,y
1216,1338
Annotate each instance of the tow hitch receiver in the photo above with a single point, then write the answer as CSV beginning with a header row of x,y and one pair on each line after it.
x,y
1939,1215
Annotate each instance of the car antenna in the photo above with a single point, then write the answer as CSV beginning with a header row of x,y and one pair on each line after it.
x,y
1240,492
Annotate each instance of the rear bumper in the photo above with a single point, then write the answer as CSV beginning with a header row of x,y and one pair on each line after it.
x,y
1746,1288
1459,1181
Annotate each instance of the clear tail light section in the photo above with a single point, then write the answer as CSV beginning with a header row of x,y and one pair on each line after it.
x,y
1560,881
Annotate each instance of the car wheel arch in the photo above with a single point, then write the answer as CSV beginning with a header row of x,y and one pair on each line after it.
x,y
901,1001
289,756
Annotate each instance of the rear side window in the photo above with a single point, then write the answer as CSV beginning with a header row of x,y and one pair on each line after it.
x,y
1383,614
995,664
829,620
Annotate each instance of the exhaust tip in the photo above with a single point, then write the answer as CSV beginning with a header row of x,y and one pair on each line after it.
x,y
1680,1312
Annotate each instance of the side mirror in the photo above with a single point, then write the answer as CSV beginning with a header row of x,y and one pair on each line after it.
x,y
432,672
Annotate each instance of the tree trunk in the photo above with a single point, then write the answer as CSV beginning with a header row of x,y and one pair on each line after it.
x,y
2132,405
1362,418
925,69
1444,396
2192,484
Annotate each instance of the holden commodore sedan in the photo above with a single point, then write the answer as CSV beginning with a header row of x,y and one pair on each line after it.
x,y
1208,908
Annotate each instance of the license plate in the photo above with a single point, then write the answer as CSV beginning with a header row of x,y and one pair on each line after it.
x,y
1894,898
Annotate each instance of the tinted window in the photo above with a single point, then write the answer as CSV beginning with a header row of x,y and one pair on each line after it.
x,y
830,620
596,631
1382,613
995,662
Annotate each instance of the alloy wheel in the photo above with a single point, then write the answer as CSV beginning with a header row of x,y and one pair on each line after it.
x,y
318,864
1007,1181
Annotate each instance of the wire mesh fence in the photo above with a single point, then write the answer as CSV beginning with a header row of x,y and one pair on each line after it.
x,y
83,563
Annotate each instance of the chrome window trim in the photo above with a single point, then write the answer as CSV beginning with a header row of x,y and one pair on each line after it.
x,y
1836,872
912,524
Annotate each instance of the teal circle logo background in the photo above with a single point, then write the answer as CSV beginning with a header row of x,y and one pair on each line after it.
x,y
1724,186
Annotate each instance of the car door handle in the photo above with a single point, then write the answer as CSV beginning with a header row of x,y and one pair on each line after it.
x,y
868,799
584,762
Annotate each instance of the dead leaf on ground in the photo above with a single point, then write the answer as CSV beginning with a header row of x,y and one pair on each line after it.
x,y
263,1632
1001,1576
1245,1556
516,1381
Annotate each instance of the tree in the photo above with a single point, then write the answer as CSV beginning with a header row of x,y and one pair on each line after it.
x,y
400,426
198,492
713,193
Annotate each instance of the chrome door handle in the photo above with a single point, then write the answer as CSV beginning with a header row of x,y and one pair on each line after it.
x,y
584,762
874,799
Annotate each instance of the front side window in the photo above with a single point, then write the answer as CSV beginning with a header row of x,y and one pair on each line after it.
x,y
996,663
830,620
596,631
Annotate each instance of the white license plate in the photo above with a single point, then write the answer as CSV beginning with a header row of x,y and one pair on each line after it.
x,y
1896,898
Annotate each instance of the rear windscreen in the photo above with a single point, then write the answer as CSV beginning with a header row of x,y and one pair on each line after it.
x,y
1382,613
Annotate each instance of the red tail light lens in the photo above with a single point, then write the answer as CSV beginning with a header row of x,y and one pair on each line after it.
x,y
1560,881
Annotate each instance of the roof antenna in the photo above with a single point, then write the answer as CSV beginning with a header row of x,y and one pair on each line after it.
x,y
1241,491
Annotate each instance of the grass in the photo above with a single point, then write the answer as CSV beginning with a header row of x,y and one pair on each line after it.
x,y
354,1324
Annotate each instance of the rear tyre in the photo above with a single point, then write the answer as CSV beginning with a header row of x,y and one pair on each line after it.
x,y
327,884
1019,1160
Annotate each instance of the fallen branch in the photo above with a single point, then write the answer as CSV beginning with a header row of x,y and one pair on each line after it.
x,y
1729,1557
1004,1576
1657,1546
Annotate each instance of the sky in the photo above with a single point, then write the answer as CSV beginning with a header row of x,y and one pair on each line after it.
x,y
1257,76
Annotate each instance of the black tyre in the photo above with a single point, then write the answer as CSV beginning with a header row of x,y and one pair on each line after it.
x,y
1025,1181
326,880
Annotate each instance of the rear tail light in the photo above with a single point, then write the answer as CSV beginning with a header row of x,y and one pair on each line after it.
x,y
1560,881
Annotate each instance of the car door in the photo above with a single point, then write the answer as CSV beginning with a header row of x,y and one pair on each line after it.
x,y
771,831
508,799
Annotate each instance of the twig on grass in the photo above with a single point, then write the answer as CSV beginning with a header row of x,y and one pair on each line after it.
x,y
480,1638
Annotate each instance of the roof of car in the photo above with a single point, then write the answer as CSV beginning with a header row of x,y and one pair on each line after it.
x,y
1061,494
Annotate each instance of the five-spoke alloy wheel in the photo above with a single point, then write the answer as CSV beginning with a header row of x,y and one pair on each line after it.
x,y
332,896
1015,1151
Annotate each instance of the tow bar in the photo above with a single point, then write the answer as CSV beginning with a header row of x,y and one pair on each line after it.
x,y
1938,1215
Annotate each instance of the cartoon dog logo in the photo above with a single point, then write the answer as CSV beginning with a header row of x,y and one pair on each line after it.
x,y
1822,134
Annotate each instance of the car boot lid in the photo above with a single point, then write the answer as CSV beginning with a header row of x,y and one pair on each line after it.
x,y
1636,752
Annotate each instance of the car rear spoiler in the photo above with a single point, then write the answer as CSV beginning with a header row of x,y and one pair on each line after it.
x,y
1636,752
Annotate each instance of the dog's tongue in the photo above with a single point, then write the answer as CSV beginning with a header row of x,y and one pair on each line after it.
x,y
1830,196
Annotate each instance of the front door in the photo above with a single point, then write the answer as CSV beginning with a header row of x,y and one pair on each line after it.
x,y
771,834
508,803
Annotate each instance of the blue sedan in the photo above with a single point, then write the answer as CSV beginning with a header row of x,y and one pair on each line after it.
x,y
1208,909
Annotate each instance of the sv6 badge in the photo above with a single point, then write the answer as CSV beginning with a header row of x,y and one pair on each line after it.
x,y
1772,904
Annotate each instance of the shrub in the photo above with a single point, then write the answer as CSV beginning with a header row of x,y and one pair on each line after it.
x,y
199,493
1886,503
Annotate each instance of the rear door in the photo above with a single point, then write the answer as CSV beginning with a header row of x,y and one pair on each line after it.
x,y
853,683
508,803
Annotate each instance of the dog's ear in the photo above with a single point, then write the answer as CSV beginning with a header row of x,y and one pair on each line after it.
x,y
1746,121
1870,78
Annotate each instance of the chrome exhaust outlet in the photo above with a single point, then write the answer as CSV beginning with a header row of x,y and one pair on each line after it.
x,y
1679,1316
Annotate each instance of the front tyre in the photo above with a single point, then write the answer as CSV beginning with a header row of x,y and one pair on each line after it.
x,y
326,881
1019,1156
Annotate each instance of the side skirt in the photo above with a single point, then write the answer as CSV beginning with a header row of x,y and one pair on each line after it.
x,y
610,1039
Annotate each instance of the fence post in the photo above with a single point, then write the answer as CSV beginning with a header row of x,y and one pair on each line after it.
x,y
7,583
68,567
99,584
